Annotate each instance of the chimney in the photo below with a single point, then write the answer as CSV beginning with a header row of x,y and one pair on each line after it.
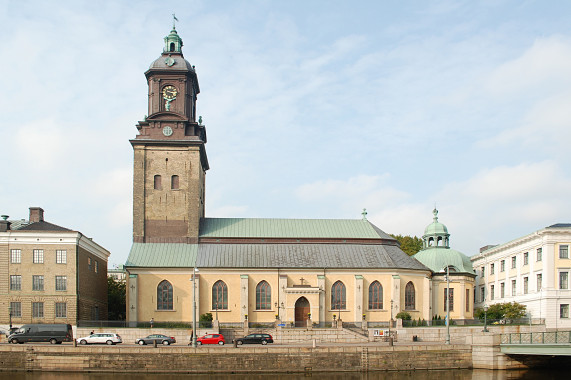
x,y
4,223
36,214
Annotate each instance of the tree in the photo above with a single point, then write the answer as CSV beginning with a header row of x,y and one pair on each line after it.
x,y
116,300
409,244
404,315
508,310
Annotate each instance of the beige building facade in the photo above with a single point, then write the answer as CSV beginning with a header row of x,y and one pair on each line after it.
x,y
50,274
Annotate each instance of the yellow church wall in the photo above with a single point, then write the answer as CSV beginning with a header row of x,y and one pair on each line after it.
x,y
419,304
458,309
385,279
207,279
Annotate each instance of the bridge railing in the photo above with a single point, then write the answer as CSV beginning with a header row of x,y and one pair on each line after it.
x,y
549,337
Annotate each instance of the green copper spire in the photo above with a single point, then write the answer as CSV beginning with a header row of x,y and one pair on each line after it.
x,y
173,43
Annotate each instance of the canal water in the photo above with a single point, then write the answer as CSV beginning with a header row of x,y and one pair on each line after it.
x,y
413,375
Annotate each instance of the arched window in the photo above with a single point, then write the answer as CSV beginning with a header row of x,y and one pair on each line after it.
x,y
174,182
375,296
263,296
338,296
158,185
172,46
219,295
164,296
409,297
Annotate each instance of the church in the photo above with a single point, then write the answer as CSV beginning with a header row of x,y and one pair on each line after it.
x,y
261,270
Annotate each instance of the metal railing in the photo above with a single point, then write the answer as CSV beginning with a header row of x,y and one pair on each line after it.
x,y
550,337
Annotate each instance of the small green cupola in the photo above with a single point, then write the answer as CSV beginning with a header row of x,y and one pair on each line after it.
x,y
173,43
435,234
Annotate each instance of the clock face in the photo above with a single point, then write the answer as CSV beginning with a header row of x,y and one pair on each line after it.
x,y
169,92
167,131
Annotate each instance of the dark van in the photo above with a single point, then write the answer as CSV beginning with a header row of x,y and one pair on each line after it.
x,y
55,334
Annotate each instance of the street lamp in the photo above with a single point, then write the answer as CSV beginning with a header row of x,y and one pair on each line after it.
x,y
10,313
485,319
194,306
448,304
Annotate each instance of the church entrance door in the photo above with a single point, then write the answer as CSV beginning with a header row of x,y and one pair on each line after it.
x,y
301,312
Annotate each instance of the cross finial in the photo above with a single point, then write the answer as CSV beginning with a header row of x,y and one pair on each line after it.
x,y
364,213
302,280
173,20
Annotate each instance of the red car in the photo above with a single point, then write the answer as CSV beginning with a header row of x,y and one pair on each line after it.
x,y
211,339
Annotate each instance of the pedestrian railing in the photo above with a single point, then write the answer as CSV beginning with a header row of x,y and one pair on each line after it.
x,y
549,337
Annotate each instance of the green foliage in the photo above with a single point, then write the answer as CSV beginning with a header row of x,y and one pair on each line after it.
x,y
409,244
405,316
205,320
508,310
116,300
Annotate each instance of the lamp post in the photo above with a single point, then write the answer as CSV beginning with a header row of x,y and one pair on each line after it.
x,y
391,321
10,314
194,306
485,319
448,304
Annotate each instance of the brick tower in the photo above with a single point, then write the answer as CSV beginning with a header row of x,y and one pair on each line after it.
x,y
170,159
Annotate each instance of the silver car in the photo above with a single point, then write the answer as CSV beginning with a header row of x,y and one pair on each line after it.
x,y
100,338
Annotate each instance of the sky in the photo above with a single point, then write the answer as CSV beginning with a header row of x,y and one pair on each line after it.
x,y
313,109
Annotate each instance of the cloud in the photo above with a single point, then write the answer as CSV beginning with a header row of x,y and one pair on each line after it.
x,y
40,144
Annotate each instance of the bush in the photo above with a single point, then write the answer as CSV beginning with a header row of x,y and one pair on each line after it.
x,y
205,320
405,316
508,310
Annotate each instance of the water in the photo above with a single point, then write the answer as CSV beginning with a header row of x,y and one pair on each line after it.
x,y
546,374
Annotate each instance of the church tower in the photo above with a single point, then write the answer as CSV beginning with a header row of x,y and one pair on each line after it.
x,y
170,159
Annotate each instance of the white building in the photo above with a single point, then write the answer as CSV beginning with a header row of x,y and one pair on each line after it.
x,y
532,270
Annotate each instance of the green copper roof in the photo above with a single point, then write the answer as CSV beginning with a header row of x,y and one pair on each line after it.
x,y
290,228
166,255
435,228
438,258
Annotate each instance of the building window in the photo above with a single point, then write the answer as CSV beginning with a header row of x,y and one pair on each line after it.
x,y
174,182
483,271
157,183
16,309
263,296
502,290
38,256
492,293
164,296
514,262
482,294
525,258
61,283
220,295
409,297
539,282
61,256
89,264
563,251
563,280
37,309
15,256
61,310
375,296
15,282
95,313
492,269
37,282
513,288
338,296
467,300
503,266
564,311
525,285
451,299
539,254
96,265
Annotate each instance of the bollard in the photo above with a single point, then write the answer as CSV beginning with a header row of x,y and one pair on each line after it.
x,y
314,344
155,343
235,343
391,341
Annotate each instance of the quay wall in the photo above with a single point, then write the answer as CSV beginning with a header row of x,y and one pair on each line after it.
x,y
228,359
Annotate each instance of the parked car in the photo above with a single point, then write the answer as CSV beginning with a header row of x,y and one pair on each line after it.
x,y
159,338
255,338
42,332
211,339
100,338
